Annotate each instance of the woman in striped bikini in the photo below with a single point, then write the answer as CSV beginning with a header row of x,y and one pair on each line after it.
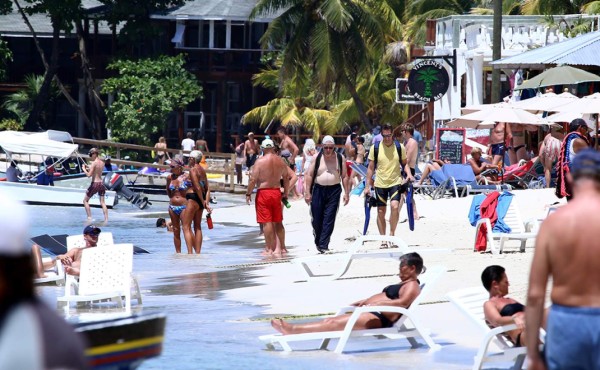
x,y
177,185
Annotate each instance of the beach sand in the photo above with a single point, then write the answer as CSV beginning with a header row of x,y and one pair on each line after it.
x,y
283,290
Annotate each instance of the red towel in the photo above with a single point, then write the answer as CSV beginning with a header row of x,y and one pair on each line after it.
x,y
487,210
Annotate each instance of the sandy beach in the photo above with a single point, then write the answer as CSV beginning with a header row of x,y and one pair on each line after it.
x,y
285,293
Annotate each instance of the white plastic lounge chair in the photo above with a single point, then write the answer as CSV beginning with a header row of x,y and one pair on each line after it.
x,y
470,301
104,239
399,330
105,274
519,230
54,275
344,259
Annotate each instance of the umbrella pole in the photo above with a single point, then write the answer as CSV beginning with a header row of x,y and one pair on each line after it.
x,y
503,155
596,133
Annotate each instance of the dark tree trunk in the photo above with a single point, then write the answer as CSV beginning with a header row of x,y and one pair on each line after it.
x,y
96,104
360,107
33,121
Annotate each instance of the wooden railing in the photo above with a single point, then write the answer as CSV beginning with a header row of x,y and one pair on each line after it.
x,y
217,163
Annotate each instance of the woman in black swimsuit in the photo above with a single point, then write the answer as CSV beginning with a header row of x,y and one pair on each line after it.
x,y
400,295
500,310
197,197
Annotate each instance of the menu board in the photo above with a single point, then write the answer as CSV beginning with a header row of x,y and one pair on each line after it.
x,y
451,144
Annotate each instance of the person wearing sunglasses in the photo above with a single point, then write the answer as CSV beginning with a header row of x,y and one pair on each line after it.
x,y
70,260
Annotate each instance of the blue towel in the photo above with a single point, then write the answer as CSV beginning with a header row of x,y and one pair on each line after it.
x,y
501,209
462,173
358,190
437,177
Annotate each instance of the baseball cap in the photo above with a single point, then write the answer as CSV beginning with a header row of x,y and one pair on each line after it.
x,y
15,225
93,150
92,229
577,123
267,144
328,140
196,154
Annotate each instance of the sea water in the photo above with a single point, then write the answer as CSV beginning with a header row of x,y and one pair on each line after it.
x,y
204,331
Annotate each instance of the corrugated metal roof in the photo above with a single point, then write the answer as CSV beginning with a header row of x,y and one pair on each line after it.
x,y
583,50
236,10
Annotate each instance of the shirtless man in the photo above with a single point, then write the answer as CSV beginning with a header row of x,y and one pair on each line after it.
x,y
95,172
412,154
202,145
286,142
567,250
497,140
267,173
250,150
70,260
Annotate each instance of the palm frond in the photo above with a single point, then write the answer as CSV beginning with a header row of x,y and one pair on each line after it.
x,y
335,15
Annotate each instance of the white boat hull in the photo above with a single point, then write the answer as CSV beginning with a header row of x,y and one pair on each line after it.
x,y
54,195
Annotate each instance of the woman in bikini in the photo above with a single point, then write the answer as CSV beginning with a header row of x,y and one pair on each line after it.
x,y
160,150
177,185
400,295
197,196
501,310
549,152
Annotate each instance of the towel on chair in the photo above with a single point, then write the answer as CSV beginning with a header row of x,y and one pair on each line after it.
x,y
493,206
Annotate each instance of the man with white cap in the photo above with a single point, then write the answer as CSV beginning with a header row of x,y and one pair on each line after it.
x,y
268,173
323,186
32,336
250,150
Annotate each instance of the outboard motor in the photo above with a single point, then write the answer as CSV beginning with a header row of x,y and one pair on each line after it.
x,y
114,181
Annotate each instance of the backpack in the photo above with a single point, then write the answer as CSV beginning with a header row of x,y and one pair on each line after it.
x,y
318,163
398,148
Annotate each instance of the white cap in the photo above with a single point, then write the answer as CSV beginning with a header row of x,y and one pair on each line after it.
x,y
267,144
14,227
328,140
196,154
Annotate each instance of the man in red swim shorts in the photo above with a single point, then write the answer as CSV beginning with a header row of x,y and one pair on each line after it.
x,y
267,174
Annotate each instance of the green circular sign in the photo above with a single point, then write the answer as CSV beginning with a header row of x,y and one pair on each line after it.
x,y
428,80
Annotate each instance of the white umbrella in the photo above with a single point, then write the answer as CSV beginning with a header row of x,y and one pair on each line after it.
x,y
548,102
497,114
588,104
477,107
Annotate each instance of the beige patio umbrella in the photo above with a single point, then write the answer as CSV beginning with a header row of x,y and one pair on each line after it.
x,y
477,107
497,114
548,102
587,105
561,75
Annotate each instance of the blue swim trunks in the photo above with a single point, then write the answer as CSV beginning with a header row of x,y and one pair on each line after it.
x,y
498,149
573,338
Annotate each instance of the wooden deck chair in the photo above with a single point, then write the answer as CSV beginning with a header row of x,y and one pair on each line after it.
x,y
401,329
470,302
520,230
105,275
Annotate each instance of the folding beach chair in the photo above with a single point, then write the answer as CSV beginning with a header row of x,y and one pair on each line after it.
x,y
470,302
401,328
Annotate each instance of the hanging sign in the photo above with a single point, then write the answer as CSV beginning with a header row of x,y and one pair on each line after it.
x,y
428,80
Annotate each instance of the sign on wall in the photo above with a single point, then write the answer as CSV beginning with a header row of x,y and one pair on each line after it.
x,y
428,81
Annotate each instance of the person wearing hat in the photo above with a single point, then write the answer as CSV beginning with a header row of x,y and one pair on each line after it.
x,y
566,251
269,171
32,336
250,150
198,199
96,187
324,180
575,141
108,166
70,260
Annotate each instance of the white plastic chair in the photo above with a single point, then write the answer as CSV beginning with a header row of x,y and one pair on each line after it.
x,y
54,275
470,302
105,274
399,330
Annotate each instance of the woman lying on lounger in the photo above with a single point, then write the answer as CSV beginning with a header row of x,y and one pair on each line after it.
x,y
500,310
400,295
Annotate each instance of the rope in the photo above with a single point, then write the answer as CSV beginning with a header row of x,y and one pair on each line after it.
x,y
562,166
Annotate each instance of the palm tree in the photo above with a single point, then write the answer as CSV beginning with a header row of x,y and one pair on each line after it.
x,y
336,38
18,105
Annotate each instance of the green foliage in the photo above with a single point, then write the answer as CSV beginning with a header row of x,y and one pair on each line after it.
x,y
62,13
146,92
18,105
5,57
9,124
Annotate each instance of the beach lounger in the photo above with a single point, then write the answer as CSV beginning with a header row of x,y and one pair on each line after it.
x,y
401,328
470,302
520,230
344,259
54,275
105,275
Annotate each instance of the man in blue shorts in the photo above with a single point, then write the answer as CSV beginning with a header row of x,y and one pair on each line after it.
x,y
389,183
567,250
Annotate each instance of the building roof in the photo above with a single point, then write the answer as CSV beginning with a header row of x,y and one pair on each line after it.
x,y
12,24
235,10
583,50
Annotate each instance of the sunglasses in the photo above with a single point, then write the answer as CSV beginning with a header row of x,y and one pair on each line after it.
x,y
327,147
93,234
388,135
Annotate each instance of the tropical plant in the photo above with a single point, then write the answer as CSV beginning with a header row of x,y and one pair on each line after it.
x,y
9,124
19,105
146,92
337,38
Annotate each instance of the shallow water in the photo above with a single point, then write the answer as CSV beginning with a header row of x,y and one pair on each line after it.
x,y
203,330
